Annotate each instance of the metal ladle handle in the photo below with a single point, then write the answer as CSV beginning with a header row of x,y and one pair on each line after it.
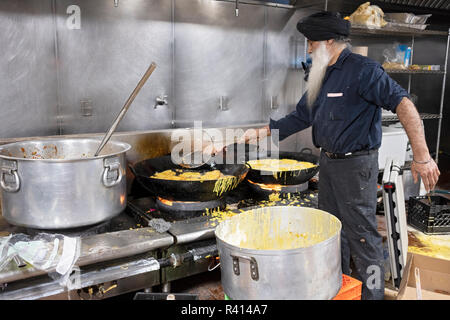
x,y
126,107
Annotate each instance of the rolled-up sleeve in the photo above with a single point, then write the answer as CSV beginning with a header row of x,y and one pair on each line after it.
x,y
377,87
294,122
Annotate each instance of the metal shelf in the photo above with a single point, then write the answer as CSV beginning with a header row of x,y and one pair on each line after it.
x,y
396,32
415,71
423,116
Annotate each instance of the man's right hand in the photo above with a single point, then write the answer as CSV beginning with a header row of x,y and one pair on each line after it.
x,y
253,135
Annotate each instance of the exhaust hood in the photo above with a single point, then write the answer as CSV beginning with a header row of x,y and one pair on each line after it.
x,y
428,4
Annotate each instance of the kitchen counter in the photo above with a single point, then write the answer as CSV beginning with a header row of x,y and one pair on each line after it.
x,y
129,240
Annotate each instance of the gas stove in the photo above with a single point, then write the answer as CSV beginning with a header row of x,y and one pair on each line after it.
x,y
128,253
193,221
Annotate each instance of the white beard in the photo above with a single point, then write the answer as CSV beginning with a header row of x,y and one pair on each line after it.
x,y
320,60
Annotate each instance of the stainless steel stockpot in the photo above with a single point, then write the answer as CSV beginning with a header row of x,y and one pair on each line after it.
x,y
310,271
59,184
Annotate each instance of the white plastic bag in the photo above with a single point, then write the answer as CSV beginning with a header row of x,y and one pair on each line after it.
x,y
54,253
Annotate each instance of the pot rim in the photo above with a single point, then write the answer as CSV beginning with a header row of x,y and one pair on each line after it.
x,y
125,145
285,251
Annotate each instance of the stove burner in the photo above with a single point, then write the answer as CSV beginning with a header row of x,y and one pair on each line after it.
x,y
188,209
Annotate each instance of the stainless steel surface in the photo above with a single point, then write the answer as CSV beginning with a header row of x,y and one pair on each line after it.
x,y
284,46
165,29
192,230
60,184
310,272
145,144
28,103
274,4
125,108
103,247
103,60
284,51
105,281
227,60
183,72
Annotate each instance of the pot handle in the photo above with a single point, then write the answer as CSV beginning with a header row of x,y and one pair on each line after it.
x,y
111,164
10,168
253,265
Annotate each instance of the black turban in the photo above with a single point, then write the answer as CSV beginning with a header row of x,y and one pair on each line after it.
x,y
324,26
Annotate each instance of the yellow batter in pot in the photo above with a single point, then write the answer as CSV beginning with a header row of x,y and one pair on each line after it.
x,y
182,175
223,182
279,164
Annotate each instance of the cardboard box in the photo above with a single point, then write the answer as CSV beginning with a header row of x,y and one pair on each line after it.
x,y
434,278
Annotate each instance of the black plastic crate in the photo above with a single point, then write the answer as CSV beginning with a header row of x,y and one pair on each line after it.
x,y
430,218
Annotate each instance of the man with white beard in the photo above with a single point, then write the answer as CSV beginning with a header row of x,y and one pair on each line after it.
x,y
343,101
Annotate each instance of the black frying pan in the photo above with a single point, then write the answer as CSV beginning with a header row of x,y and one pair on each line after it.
x,y
292,177
183,190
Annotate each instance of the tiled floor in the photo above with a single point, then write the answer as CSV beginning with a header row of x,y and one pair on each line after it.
x,y
206,285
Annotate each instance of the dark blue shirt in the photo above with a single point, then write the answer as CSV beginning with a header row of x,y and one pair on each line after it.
x,y
346,115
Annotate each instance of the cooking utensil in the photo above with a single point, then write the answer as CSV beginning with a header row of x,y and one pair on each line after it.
x,y
238,153
418,286
59,184
190,160
309,270
184,190
289,177
125,108
187,162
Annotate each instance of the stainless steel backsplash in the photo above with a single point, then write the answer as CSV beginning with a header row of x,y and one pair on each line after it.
x,y
211,65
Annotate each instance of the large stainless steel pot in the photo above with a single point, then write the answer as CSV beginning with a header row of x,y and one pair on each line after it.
x,y
59,184
280,253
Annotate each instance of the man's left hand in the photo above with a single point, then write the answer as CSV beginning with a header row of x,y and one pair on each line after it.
x,y
429,173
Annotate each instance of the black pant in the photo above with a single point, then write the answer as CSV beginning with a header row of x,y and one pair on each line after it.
x,y
348,190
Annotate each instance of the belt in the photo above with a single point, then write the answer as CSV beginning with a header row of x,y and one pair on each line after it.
x,y
347,155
